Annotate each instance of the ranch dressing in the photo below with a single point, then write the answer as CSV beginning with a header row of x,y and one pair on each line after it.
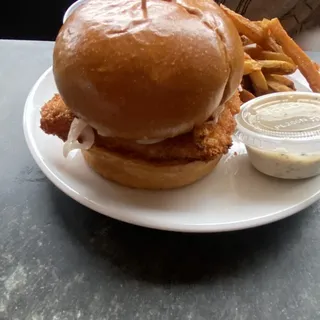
x,y
285,165
281,132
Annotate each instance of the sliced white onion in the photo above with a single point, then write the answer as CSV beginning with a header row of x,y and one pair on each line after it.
x,y
78,128
218,113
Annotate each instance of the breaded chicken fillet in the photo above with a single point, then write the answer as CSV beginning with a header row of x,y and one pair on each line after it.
x,y
203,143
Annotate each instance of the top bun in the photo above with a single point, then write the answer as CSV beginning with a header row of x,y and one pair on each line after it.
x,y
147,74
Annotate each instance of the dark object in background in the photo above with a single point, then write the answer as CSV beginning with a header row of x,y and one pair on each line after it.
x,y
32,19
295,15
41,19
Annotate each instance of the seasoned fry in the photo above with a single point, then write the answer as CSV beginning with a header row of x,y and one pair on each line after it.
x,y
270,55
277,67
278,87
246,95
280,79
305,65
250,65
252,30
259,82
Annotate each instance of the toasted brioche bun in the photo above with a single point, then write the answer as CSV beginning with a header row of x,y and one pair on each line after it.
x,y
150,74
140,174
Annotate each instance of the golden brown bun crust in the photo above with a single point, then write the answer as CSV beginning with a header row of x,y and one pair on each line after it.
x,y
139,78
140,174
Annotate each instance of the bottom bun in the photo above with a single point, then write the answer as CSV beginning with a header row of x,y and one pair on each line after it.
x,y
146,175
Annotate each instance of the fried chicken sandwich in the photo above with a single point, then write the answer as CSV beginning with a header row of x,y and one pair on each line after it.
x,y
147,89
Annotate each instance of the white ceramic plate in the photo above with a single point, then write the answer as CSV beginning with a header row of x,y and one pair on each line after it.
x,y
234,196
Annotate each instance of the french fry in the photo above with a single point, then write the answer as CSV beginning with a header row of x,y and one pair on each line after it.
x,y
264,23
252,30
280,79
277,67
278,87
253,51
305,65
244,25
250,66
246,56
246,95
259,82
245,40
270,55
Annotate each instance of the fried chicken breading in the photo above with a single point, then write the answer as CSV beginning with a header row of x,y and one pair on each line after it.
x,y
204,143
56,118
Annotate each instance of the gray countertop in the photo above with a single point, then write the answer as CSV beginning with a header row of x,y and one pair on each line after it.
x,y
61,261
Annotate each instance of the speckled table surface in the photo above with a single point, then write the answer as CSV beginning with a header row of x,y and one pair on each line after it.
x,y
61,261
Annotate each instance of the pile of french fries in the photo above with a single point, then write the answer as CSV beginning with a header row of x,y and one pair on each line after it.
x,y
270,55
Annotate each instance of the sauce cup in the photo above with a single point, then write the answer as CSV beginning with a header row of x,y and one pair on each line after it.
x,y
281,132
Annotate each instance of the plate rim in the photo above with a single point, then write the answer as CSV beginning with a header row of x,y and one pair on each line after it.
x,y
113,213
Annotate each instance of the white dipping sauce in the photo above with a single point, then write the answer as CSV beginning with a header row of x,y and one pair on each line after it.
x,y
285,165
282,134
